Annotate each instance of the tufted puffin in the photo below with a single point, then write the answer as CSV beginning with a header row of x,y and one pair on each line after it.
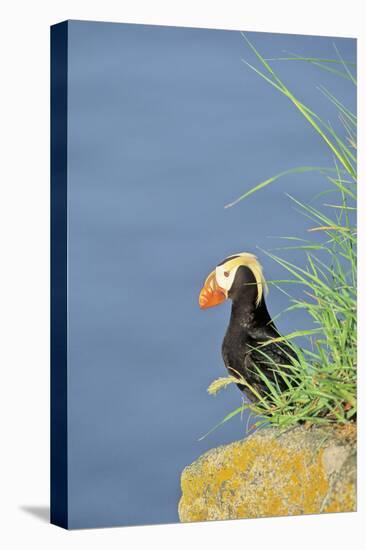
x,y
247,345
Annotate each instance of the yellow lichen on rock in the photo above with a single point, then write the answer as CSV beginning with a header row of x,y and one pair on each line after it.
x,y
273,473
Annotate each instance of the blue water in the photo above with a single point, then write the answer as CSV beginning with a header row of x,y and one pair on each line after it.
x,y
166,126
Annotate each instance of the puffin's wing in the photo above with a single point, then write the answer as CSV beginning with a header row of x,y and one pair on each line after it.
x,y
276,353
269,359
264,350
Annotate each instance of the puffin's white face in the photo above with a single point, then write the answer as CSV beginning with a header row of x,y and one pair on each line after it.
x,y
219,282
225,276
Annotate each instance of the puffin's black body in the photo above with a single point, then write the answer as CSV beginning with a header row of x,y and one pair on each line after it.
x,y
250,326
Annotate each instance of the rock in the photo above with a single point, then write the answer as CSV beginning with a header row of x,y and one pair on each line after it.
x,y
273,472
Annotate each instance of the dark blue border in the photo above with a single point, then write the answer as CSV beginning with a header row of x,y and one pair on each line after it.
x,y
59,471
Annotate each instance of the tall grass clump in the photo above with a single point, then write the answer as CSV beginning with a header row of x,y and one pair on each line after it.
x,y
321,383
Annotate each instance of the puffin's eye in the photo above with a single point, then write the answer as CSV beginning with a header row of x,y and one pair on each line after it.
x,y
226,273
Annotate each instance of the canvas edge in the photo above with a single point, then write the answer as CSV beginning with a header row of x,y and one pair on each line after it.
x,y
58,313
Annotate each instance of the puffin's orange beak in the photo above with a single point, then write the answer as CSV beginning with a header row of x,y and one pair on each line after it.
x,y
211,294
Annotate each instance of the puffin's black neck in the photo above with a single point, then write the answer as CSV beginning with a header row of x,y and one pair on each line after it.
x,y
246,316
